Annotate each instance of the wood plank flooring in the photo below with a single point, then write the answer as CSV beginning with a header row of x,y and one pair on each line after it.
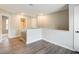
x,y
18,46
44,47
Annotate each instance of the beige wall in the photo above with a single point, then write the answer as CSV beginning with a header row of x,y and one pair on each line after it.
x,y
57,20
32,22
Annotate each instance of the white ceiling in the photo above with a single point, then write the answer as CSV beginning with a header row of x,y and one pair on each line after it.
x,y
34,9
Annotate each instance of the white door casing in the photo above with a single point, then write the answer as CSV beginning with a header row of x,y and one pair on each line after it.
x,y
76,28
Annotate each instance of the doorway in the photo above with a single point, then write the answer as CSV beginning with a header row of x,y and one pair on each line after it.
x,y
23,27
4,25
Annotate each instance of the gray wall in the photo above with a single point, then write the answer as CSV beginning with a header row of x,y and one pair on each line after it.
x,y
58,20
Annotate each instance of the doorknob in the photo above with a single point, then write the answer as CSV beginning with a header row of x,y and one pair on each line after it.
x,y
77,31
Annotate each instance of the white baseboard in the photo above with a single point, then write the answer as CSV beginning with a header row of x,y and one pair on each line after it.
x,y
60,45
32,41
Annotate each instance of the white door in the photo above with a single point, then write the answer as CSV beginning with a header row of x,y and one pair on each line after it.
x,y
76,28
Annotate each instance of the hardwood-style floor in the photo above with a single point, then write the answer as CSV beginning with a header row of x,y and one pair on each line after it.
x,y
18,46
